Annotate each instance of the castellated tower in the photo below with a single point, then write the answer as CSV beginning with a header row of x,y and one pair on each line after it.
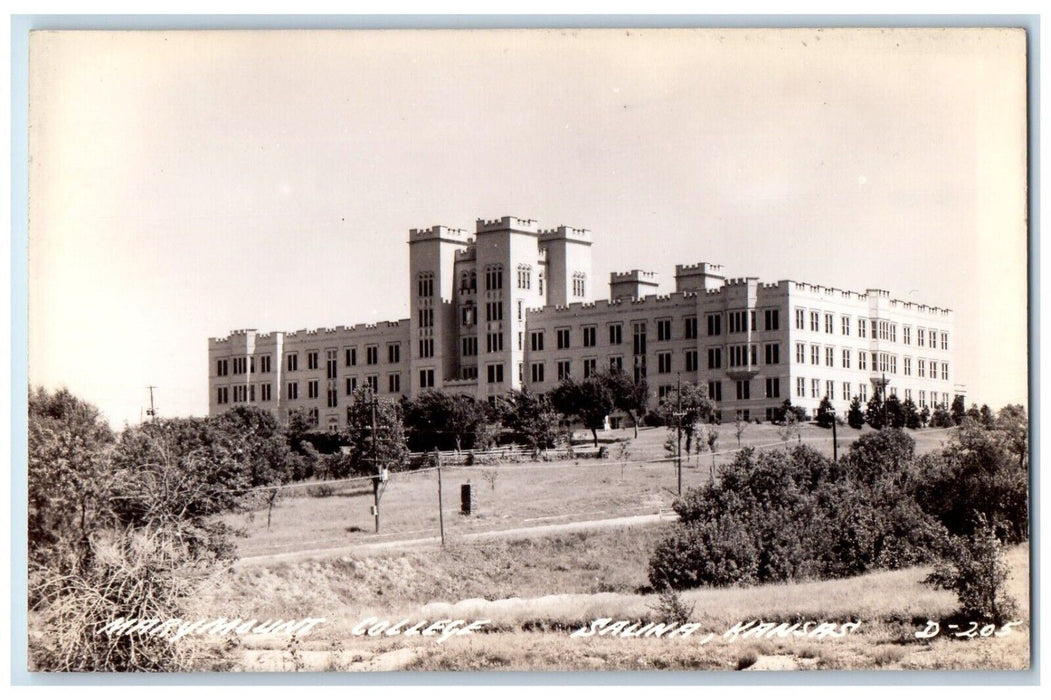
x,y
569,264
512,271
635,284
432,335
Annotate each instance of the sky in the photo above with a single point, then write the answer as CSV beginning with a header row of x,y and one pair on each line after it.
x,y
185,184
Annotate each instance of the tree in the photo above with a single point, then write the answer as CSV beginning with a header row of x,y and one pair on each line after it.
x,y
912,418
874,412
988,418
855,416
629,395
740,426
1012,430
973,568
530,418
589,401
696,407
365,453
894,412
790,427
941,418
435,419
925,416
826,414
958,410
68,472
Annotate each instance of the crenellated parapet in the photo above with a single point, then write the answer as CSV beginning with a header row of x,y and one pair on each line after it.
x,y
505,223
440,233
566,233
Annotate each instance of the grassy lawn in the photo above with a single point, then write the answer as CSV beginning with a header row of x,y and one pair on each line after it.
x,y
536,591
514,495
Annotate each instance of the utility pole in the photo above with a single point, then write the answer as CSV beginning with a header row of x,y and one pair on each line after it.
x,y
441,515
835,443
152,412
375,462
678,429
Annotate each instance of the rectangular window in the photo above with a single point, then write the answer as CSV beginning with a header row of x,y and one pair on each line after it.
x,y
350,356
907,366
615,335
352,385
801,353
589,336
800,319
663,329
815,355
945,341
863,392
589,367
845,324
562,338
829,354
563,369
815,321
264,364
862,359
426,378
332,398
312,359
815,388
715,358
715,322
828,323
426,347
536,372
921,367
773,353
394,383
494,311
920,335
773,388
616,363
772,319
689,328
663,362
292,361
691,360
638,338
945,371
536,341
222,368
933,335
293,391
846,390
715,391
251,392
494,342
469,346
394,353
830,390
372,355
374,383
494,373
800,387
744,389
846,358
862,328
312,389
906,335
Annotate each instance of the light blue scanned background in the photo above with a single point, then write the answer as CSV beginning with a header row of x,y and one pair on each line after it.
x,y
21,25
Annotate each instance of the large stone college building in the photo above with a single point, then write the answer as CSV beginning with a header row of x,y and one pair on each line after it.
x,y
511,306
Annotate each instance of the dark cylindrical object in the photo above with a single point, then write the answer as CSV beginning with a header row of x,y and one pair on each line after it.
x,y
466,499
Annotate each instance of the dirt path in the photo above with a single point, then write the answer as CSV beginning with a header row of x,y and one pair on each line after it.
x,y
434,542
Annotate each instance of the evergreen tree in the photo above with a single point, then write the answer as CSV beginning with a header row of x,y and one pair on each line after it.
x,y
874,412
958,410
912,418
826,414
893,410
855,416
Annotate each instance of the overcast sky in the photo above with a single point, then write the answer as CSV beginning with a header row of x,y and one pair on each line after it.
x,y
186,184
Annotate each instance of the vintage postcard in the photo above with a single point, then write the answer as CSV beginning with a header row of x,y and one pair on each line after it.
x,y
528,350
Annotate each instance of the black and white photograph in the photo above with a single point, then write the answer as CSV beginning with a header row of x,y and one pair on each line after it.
x,y
528,350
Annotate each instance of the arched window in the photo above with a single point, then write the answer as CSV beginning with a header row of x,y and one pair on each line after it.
x,y
524,276
579,280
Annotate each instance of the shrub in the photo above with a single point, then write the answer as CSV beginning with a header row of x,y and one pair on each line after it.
x,y
974,569
712,553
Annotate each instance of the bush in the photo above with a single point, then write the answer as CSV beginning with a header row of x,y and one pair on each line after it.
x,y
974,569
712,553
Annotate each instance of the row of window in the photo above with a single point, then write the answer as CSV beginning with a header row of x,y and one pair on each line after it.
x,y
881,361
880,329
